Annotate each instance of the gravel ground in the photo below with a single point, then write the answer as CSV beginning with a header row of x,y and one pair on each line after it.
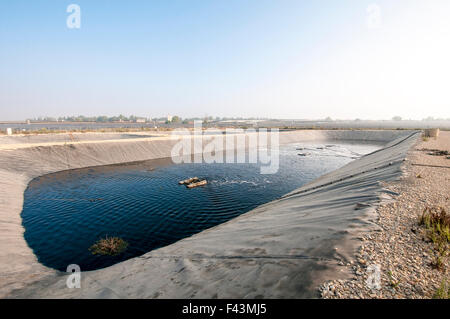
x,y
399,247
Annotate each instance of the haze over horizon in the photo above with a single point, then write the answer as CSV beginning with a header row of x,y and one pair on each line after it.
x,y
276,59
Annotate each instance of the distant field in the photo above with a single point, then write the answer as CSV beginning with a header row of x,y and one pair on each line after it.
x,y
282,124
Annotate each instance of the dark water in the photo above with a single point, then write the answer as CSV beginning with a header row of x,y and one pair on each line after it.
x,y
66,212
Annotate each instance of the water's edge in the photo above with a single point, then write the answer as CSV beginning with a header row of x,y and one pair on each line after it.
x,y
66,212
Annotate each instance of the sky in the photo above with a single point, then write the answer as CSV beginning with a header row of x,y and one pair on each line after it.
x,y
231,58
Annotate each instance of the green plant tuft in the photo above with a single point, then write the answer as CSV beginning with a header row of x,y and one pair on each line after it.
x,y
112,246
443,291
437,224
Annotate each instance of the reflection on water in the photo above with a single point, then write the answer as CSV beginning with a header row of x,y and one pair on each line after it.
x,y
66,212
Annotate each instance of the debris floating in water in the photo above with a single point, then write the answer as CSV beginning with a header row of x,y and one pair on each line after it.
x,y
196,184
95,199
112,246
193,182
189,180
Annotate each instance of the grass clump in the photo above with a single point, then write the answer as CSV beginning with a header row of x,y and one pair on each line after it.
x,y
443,291
437,221
111,246
437,224
392,281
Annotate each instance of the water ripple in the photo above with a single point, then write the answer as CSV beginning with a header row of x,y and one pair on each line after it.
x,y
66,212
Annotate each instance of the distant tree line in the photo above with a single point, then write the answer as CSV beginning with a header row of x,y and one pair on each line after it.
x,y
134,118
82,118
429,118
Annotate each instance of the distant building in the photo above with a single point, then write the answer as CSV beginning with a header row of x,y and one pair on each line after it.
x,y
169,118
140,120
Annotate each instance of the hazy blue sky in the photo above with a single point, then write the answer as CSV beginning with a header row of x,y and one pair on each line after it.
x,y
278,58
